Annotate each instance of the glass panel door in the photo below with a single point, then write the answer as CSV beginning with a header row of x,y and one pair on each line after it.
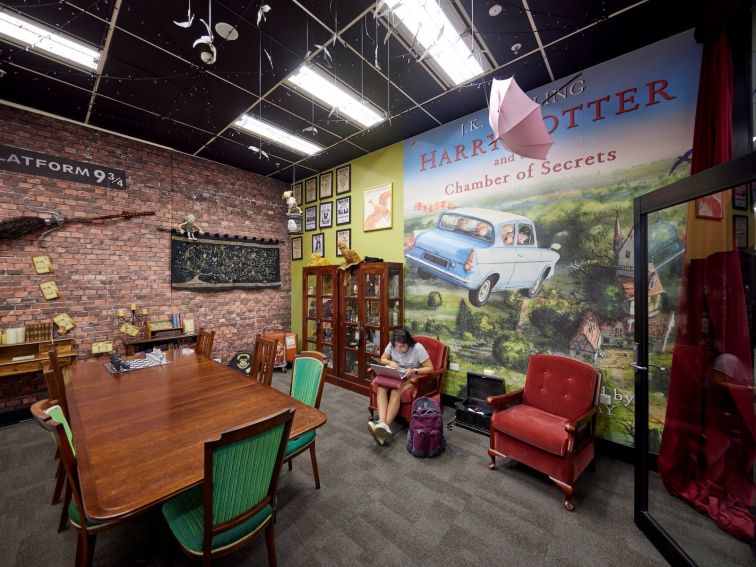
x,y
695,276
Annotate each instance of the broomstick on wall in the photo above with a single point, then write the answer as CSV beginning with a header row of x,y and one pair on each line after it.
x,y
17,227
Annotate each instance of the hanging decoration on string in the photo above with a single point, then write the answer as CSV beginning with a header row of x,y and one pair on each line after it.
x,y
207,56
264,9
189,18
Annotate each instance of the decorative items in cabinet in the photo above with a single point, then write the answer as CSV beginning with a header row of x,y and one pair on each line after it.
x,y
370,308
320,298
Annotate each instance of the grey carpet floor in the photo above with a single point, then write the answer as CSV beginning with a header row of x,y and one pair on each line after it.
x,y
376,506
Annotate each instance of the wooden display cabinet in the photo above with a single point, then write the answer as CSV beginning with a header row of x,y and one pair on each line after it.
x,y
320,299
31,355
370,308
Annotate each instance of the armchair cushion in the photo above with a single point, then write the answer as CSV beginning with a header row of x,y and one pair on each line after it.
x,y
535,427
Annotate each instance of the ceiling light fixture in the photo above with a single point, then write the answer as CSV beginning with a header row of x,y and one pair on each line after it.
x,y
330,93
426,24
277,135
28,34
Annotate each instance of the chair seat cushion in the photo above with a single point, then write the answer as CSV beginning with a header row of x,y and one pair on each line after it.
x,y
184,514
295,445
75,518
533,426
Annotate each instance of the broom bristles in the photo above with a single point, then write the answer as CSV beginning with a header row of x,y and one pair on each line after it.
x,y
20,226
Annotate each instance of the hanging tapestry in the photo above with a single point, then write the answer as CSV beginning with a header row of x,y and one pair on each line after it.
x,y
223,262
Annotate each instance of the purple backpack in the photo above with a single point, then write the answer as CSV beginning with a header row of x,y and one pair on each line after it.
x,y
425,437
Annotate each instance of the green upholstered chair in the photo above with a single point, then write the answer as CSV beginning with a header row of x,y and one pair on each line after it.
x,y
307,381
237,500
50,415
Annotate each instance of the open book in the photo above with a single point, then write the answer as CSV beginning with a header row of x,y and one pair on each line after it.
x,y
389,372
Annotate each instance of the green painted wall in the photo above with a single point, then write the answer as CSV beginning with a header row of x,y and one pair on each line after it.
x,y
378,168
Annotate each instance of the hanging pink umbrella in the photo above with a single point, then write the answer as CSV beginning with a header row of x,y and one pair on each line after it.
x,y
517,121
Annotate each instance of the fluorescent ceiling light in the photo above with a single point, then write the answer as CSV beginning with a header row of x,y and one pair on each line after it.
x,y
277,135
31,35
428,25
327,91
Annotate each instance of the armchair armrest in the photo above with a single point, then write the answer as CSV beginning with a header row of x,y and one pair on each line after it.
x,y
425,383
502,402
580,430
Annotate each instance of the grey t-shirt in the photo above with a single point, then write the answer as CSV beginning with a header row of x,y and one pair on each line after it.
x,y
413,358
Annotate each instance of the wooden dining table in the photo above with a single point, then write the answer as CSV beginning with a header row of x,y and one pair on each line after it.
x,y
139,435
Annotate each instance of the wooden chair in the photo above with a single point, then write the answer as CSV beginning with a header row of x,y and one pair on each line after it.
x,y
263,360
204,343
49,414
56,388
307,379
237,500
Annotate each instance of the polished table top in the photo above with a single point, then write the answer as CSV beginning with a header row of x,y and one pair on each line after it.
x,y
139,435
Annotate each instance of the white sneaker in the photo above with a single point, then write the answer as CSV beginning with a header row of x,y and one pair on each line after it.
x,y
382,432
374,433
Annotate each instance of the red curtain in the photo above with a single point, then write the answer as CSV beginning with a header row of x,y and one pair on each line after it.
x,y
709,441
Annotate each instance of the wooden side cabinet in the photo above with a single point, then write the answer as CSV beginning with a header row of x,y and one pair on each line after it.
x,y
320,300
371,307
23,358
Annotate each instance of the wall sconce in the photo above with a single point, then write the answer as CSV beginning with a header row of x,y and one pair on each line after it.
x,y
138,317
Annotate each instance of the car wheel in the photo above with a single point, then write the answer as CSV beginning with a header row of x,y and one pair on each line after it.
x,y
423,275
478,297
536,287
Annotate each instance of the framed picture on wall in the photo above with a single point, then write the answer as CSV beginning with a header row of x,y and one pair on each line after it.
x,y
740,197
318,244
709,207
296,248
740,230
343,210
326,214
311,217
343,179
343,236
311,190
377,212
326,185
297,189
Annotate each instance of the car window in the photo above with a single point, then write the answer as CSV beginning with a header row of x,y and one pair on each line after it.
x,y
524,235
483,231
507,234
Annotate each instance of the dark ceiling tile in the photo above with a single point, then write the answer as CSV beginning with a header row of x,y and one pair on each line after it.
x,y
400,128
331,157
186,93
616,36
45,94
244,140
555,19
114,116
501,33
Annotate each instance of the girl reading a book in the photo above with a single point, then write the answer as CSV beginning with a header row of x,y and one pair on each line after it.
x,y
403,353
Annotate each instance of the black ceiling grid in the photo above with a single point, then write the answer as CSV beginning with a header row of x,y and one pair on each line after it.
x,y
155,87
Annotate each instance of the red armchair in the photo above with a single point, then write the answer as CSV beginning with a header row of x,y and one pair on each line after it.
x,y
549,424
428,385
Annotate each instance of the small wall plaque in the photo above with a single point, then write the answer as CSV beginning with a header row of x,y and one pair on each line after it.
x,y
42,264
49,290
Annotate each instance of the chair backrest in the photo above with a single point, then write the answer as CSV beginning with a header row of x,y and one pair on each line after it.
x,y
204,343
264,360
56,384
49,415
437,351
308,377
242,467
559,385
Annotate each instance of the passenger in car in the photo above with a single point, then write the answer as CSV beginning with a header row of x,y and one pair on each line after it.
x,y
507,235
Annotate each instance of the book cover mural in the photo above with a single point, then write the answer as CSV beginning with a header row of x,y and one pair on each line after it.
x,y
508,256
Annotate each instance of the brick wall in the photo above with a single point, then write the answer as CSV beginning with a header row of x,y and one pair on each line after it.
x,y
101,268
